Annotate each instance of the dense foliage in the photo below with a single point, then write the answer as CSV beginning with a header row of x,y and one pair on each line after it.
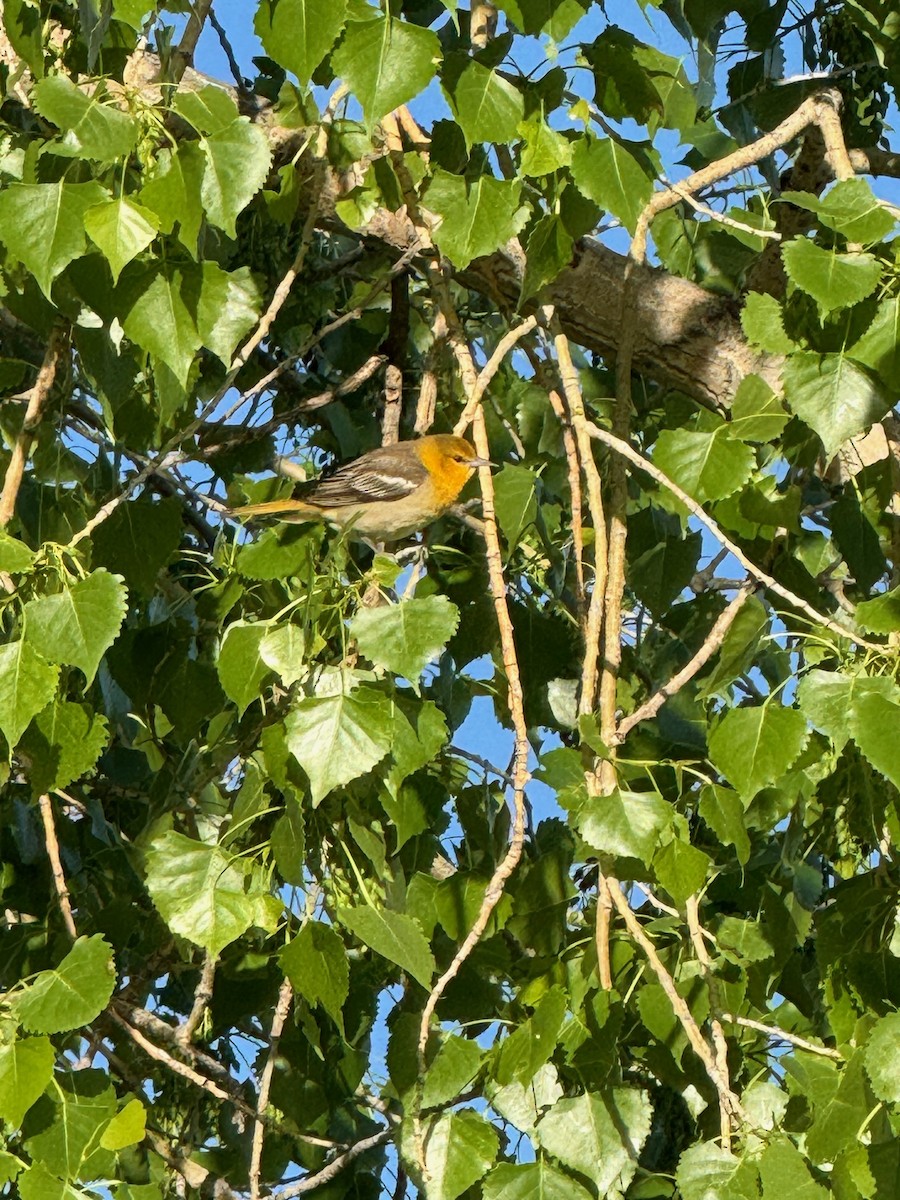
x,y
255,787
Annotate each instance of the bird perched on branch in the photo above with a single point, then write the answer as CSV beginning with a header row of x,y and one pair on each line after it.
x,y
386,494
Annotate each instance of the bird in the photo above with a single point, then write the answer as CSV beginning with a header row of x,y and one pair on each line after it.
x,y
386,494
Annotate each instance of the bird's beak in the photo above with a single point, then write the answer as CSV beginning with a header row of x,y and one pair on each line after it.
x,y
481,462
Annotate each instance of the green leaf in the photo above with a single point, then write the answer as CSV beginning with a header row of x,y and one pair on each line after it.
x,y
883,1058
172,191
460,1148
708,466
82,1104
532,1181
833,280
90,129
138,539
879,346
608,173
707,1172
661,573
72,994
229,308
289,843
385,63
42,224
524,1052
515,496
285,650
27,684
548,251
835,397
15,557
298,34
757,414
280,553
762,318
839,1117
752,747
63,742
723,812
860,707
879,615
335,739
681,869
26,1067
626,823
199,890
486,106
545,150
315,961
237,164
556,18
404,637
784,1172
127,1127
240,664
599,1134
850,208
37,1183
395,936
122,229
477,216
158,306
209,109
454,1067
79,625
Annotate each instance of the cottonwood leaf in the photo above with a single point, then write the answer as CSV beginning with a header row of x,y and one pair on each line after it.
x,y
478,216
127,1127
240,665
335,739
762,318
681,869
395,936
71,994
453,1067
708,466
27,684
598,1134
199,890
406,636
851,208
79,625
138,539
487,107
833,280
315,961
42,224
158,306
608,173
785,1172
881,614
90,129
752,747
26,1067
237,164
122,229
545,150
835,397
522,1054
298,34
532,1181
625,823
63,742
385,63
757,414
708,1172
460,1148
883,1058
15,556
865,708
228,309
879,346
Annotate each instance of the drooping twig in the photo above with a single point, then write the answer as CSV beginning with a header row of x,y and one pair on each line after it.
x,y
59,878
37,398
757,573
728,1101
227,50
334,1168
282,1008
490,369
711,643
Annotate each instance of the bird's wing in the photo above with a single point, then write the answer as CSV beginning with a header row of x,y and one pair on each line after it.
x,y
383,474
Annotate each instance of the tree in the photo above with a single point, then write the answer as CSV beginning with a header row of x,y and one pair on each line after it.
x,y
271,926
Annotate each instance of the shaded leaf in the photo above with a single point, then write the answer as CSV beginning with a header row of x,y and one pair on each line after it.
x,y
71,994
79,625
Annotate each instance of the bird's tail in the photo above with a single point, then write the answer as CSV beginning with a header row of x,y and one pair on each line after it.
x,y
288,509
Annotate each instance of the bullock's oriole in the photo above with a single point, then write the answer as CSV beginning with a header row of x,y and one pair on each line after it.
x,y
385,494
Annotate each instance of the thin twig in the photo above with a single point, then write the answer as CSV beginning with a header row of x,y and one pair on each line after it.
x,y
644,464
573,470
334,1168
184,53
59,878
720,1046
727,1099
711,643
224,42
602,931
723,219
184,1034
37,398
282,1008
782,1035
489,370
